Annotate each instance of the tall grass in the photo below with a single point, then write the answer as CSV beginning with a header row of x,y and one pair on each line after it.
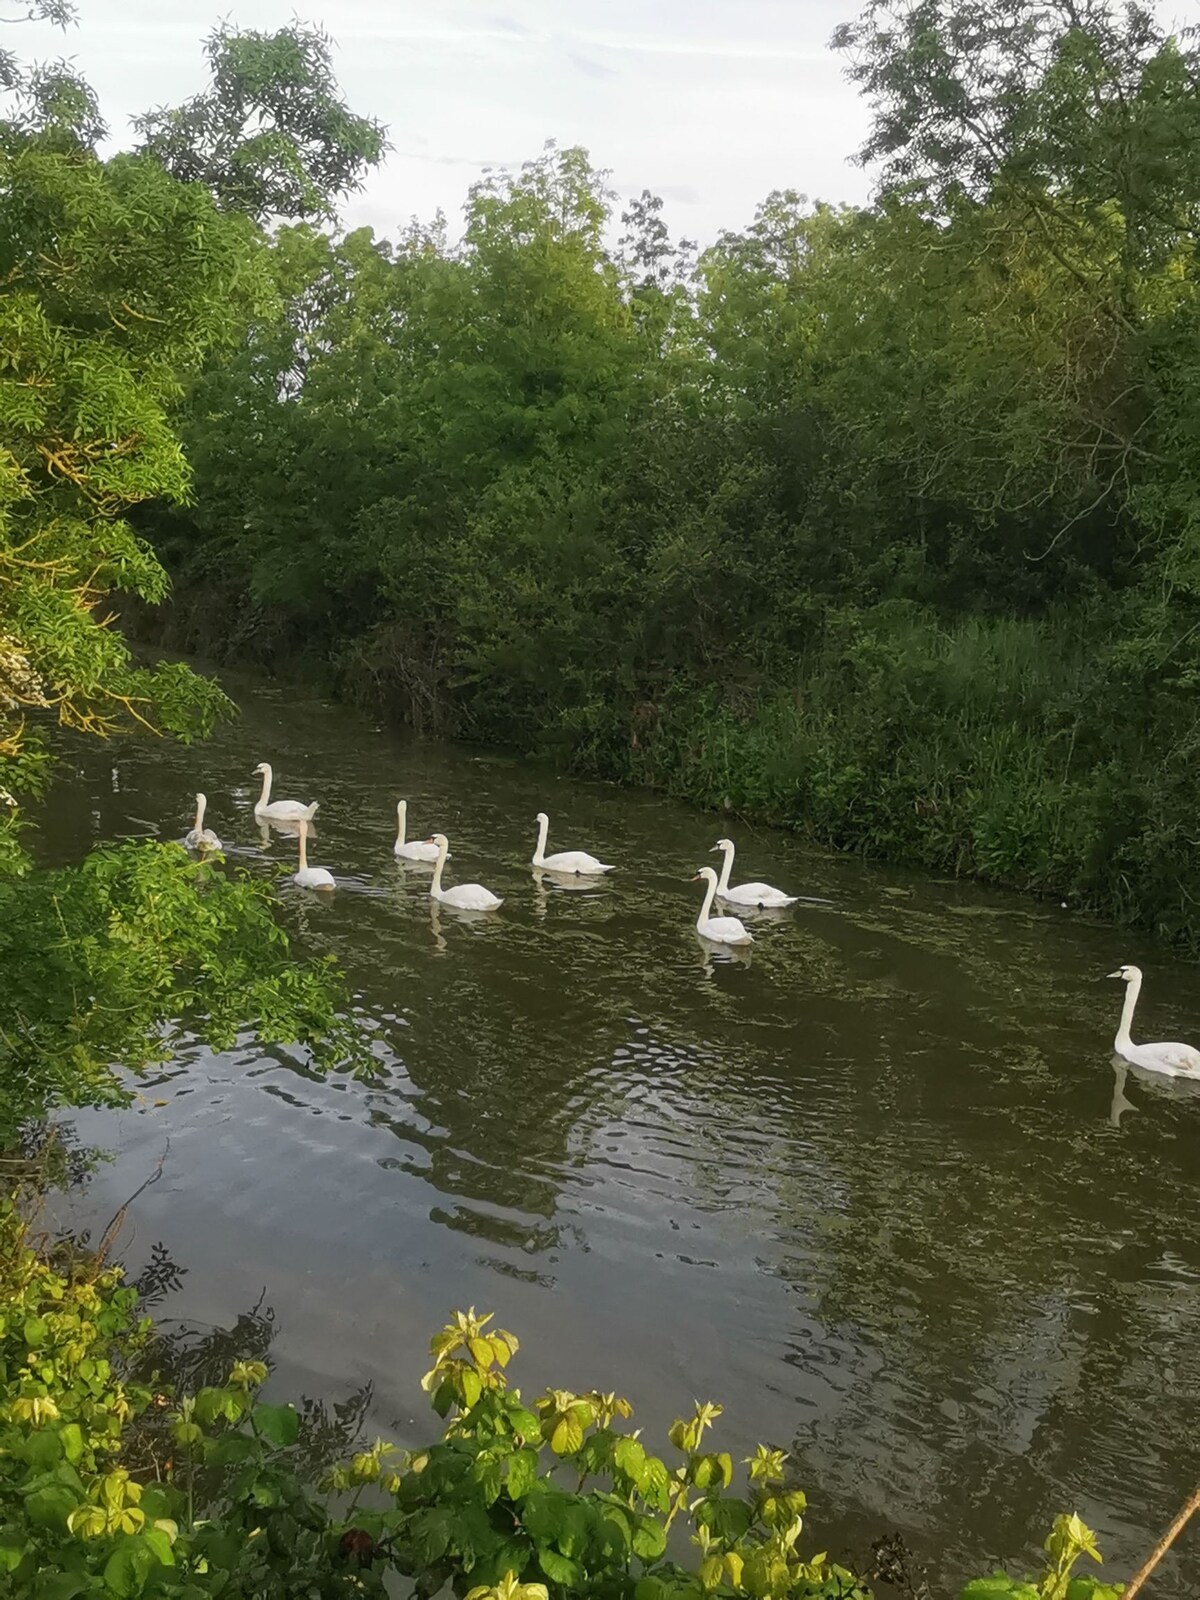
x,y
1002,749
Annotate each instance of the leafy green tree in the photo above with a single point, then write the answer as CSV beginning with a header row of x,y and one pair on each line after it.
x,y
272,136
117,282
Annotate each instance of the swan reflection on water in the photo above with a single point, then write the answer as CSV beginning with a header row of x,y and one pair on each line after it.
x,y
561,882
1149,1081
480,923
724,955
287,828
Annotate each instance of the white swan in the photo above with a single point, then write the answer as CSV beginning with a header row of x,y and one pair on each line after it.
x,y
747,894
1176,1060
198,837
311,877
721,930
575,861
415,849
280,810
466,896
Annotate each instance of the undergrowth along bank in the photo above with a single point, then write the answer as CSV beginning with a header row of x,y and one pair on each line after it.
x,y
112,1485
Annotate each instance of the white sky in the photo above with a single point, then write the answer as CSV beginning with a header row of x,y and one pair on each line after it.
x,y
709,103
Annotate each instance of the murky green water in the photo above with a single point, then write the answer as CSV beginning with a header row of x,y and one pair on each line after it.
x,y
877,1187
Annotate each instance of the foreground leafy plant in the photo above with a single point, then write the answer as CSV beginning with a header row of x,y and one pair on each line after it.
x,y
1069,1539
108,1487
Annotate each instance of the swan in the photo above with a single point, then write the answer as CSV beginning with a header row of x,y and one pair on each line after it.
x,y
280,810
574,861
747,894
1176,1060
416,849
721,930
311,877
198,836
466,896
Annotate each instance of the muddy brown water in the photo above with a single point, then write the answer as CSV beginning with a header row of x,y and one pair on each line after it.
x,y
878,1187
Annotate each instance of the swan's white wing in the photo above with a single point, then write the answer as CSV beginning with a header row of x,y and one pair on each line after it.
x,y
315,878
756,894
574,861
1174,1057
419,850
471,897
286,810
726,930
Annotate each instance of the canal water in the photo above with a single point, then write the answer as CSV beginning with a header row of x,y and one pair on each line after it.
x,y
876,1185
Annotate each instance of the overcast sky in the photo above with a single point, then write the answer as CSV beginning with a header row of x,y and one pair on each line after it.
x,y
709,103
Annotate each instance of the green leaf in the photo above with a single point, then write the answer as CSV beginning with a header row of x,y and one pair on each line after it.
x,y
159,1501
728,1518
617,1527
567,1436
61,1585
430,1533
521,1473
42,1448
560,1569
649,1539
524,1422
50,1507
72,1442
654,1484
444,1397
472,1386
487,1472
630,1456
649,1589
36,1329
481,1352
573,1527
13,1546
279,1425
159,1545
126,1570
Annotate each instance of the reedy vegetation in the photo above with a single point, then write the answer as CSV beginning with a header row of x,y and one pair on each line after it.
x,y
882,523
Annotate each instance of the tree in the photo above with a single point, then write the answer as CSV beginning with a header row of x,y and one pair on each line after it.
x,y
114,280
1071,105
272,136
117,281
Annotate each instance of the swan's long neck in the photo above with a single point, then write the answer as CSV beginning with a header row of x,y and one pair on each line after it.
x,y
1132,990
200,804
435,888
303,849
401,821
539,854
709,897
265,796
726,869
